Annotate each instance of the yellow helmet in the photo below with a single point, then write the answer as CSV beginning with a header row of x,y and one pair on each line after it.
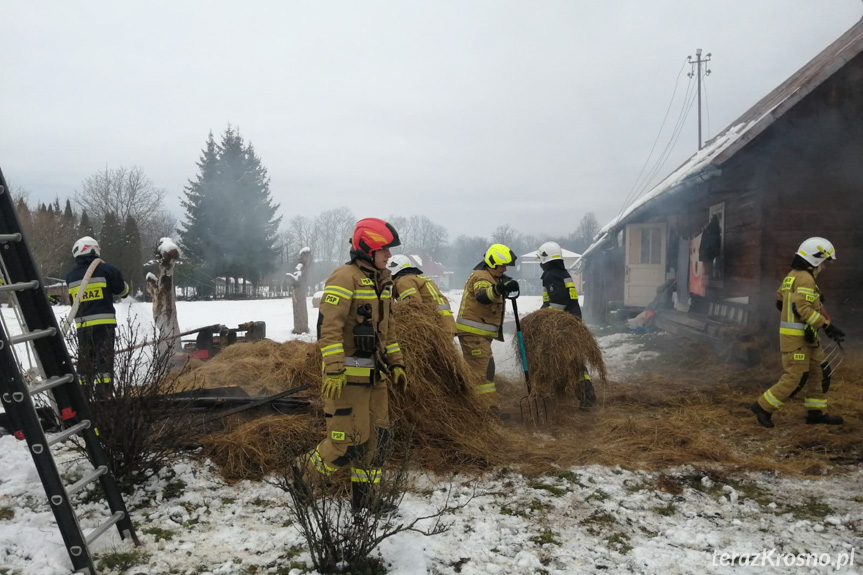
x,y
499,255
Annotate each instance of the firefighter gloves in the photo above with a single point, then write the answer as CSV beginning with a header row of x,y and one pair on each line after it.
x,y
834,333
333,384
399,377
507,286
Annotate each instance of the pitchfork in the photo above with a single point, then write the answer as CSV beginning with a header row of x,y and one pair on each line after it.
x,y
536,407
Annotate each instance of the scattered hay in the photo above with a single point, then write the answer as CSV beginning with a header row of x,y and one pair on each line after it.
x,y
253,449
260,368
559,347
452,424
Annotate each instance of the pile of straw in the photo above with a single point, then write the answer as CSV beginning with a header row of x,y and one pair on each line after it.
x,y
453,426
260,368
559,347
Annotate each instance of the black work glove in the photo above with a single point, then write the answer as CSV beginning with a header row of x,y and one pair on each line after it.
x,y
507,286
834,333
779,305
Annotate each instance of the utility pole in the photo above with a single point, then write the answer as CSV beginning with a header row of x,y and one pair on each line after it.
x,y
697,73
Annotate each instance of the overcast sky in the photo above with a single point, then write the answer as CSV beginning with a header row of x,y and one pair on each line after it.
x,y
472,113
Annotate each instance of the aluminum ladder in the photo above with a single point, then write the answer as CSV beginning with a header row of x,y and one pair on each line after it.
x,y
20,279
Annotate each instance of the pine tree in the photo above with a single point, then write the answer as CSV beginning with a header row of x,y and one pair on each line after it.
x,y
85,228
230,228
132,263
111,239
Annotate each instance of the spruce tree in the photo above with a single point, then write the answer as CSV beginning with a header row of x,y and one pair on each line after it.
x,y
111,239
85,228
132,264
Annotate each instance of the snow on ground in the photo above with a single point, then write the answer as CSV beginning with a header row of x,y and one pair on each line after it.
x,y
578,520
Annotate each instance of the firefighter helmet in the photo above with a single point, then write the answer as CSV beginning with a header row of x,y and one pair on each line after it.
x,y
398,263
816,250
86,246
549,251
372,234
499,255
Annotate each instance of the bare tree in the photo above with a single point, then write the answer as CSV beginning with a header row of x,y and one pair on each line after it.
x,y
298,233
124,191
587,229
333,229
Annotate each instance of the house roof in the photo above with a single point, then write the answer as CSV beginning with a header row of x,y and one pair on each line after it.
x,y
707,162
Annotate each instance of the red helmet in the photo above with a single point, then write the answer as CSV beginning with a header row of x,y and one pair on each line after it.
x,y
372,234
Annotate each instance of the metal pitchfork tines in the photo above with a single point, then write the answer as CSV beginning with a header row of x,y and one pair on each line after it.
x,y
834,355
533,405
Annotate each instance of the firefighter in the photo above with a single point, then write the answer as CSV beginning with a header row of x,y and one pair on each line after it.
x,y
803,360
409,282
559,292
95,319
360,357
480,317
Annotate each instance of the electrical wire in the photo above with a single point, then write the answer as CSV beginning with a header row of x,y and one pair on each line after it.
x,y
706,105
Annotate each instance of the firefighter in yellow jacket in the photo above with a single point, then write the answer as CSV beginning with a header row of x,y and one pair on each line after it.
x,y
360,356
410,282
803,360
480,317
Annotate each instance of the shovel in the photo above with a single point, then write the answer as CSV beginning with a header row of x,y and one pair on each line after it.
x,y
534,406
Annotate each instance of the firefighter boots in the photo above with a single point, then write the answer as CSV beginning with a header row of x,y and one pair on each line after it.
x,y
765,418
816,416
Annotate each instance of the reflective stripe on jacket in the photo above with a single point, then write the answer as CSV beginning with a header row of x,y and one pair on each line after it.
x,y
559,291
801,309
97,301
347,288
409,284
475,317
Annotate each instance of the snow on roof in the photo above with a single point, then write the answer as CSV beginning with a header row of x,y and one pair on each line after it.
x,y
706,163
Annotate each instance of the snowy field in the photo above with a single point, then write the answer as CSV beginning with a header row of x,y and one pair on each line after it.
x,y
577,520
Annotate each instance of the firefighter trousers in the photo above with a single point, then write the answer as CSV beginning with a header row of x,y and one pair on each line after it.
x,y
357,433
477,353
803,371
96,360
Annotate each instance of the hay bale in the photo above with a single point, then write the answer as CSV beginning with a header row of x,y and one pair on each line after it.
x,y
260,368
255,448
452,424
559,347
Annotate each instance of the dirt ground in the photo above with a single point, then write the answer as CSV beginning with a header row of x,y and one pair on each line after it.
x,y
685,407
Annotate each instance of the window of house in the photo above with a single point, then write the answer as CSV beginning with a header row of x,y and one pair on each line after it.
x,y
651,246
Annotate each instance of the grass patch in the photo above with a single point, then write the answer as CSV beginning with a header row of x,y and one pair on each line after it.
x,y
554,490
546,537
6,513
159,534
598,495
619,542
811,509
122,560
174,489
666,510
535,506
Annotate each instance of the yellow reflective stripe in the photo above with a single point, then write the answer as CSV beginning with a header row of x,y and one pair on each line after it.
x,y
365,294
470,326
340,291
586,376
812,403
319,464
445,311
805,290
332,349
487,387
813,318
434,293
92,322
790,331
569,283
407,293
393,348
475,331
556,306
366,475
125,291
358,371
771,399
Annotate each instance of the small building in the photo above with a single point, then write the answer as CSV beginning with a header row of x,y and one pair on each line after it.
x,y
725,225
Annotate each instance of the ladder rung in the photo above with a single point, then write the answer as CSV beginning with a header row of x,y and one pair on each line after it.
x,y
19,286
67,433
51,383
10,237
30,336
86,480
104,527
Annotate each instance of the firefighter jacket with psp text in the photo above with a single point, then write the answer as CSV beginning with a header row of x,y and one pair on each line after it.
x,y
801,311
481,311
559,291
347,289
97,301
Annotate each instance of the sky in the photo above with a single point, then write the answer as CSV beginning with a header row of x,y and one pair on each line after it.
x,y
472,113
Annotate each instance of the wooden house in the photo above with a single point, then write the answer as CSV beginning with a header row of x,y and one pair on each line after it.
x,y
789,168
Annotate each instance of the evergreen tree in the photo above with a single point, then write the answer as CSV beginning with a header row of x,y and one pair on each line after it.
x,y
85,228
111,239
230,227
132,263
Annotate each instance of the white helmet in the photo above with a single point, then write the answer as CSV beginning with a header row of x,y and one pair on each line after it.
x,y
86,245
816,250
398,263
549,251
